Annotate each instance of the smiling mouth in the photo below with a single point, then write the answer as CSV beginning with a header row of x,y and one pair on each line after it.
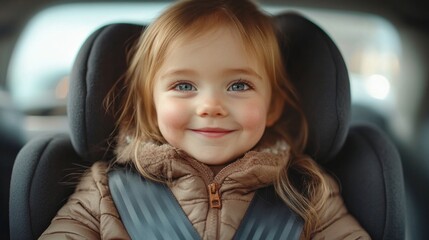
x,y
212,132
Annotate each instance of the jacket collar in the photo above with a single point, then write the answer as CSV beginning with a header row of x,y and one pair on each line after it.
x,y
256,168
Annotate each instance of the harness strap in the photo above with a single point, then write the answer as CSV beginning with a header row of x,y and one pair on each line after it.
x,y
149,210
268,217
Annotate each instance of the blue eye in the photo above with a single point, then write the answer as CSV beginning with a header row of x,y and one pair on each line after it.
x,y
184,87
239,86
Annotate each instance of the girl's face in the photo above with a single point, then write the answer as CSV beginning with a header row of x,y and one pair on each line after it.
x,y
212,97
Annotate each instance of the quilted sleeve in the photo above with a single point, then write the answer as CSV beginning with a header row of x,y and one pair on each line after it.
x,y
89,212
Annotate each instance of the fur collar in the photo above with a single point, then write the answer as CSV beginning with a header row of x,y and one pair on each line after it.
x,y
163,161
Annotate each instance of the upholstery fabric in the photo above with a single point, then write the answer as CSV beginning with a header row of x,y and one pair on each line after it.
x,y
99,64
315,66
372,182
42,179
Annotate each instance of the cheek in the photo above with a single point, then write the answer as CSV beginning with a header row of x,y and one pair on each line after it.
x,y
170,116
253,116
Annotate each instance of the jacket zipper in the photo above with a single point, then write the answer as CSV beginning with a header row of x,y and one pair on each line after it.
x,y
215,206
213,185
214,196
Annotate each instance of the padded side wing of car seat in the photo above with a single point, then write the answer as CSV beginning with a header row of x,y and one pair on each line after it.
x,y
370,171
99,65
41,183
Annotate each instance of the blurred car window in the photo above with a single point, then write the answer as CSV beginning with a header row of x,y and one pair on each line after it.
x,y
45,52
43,57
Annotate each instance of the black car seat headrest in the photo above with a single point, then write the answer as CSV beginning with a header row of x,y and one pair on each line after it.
x,y
312,61
318,71
101,62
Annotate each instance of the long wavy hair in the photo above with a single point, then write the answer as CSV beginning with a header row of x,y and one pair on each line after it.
x,y
300,182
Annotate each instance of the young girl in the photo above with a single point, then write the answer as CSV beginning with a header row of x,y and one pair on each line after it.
x,y
208,108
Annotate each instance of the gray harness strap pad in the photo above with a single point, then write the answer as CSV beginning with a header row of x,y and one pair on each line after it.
x,y
268,217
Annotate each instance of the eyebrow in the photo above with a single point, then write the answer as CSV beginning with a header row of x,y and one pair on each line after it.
x,y
230,71
175,72
245,71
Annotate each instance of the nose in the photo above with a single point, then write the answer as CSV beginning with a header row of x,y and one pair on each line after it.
x,y
211,107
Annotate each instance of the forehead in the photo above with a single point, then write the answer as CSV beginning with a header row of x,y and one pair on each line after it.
x,y
221,46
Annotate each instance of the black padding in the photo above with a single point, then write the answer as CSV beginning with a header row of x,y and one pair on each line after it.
x,y
315,66
41,183
370,171
99,64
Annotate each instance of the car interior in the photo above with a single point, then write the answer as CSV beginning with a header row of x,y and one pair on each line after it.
x,y
358,66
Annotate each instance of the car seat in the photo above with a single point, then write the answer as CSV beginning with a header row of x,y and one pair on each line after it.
x,y
415,168
365,162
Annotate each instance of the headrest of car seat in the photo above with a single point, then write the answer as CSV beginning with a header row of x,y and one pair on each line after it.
x,y
101,61
313,63
315,66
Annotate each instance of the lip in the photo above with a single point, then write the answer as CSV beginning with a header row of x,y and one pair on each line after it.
x,y
212,132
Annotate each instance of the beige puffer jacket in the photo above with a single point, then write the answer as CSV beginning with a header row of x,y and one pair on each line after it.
x,y
91,214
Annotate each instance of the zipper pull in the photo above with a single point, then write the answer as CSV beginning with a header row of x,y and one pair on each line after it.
x,y
214,195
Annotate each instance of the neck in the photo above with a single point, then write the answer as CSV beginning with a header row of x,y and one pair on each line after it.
x,y
217,168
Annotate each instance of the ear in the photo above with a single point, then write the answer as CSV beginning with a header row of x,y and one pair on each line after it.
x,y
275,110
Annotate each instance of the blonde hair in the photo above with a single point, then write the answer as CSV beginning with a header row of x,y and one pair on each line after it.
x,y
300,181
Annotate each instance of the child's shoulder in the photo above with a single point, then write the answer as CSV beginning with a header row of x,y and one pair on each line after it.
x,y
332,183
95,178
